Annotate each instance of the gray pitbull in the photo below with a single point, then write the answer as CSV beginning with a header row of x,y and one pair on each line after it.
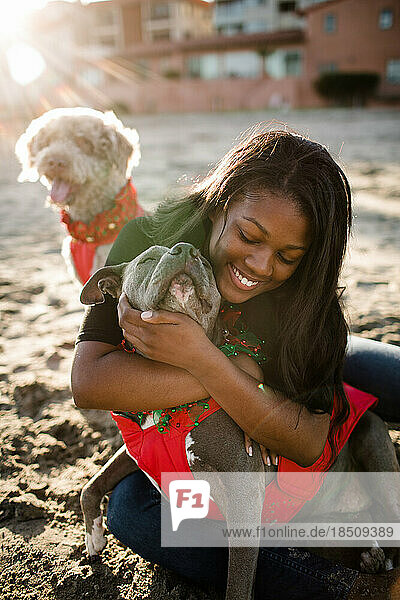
x,y
181,280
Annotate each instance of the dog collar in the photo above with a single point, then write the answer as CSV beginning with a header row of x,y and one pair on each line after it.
x,y
106,225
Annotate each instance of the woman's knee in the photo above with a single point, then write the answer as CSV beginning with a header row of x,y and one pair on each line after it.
x,y
374,367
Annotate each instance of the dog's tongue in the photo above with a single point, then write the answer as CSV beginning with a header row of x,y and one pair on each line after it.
x,y
59,191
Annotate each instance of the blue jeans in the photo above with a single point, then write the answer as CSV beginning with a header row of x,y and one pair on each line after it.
x,y
134,517
374,367
134,511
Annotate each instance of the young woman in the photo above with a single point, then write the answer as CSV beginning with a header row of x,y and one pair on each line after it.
x,y
273,219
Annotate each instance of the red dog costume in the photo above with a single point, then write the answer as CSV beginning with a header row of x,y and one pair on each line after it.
x,y
84,239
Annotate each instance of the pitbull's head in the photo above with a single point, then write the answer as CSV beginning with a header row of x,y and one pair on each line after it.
x,y
177,279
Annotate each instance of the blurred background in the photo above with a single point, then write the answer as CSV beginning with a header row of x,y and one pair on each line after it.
x,y
189,71
191,55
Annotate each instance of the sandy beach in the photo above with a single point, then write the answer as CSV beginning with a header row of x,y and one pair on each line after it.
x,y
49,447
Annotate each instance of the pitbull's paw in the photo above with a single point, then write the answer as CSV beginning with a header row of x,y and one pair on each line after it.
x,y
95,541
373,561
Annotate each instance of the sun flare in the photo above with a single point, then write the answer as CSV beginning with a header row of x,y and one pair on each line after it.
x,y
12,14
25,63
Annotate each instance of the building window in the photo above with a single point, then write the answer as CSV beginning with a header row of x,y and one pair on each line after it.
x,y
286,7
293,64
193,66
393,71
232,29
162,34
160,10
385,19
330,67
282,63
256,26
241,64
330,23
210,66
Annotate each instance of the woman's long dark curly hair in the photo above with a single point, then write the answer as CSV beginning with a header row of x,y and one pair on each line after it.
x,y
301,322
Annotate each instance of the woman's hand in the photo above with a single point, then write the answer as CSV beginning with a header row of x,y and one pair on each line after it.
x,y
128,317
164,336
247,364
269,458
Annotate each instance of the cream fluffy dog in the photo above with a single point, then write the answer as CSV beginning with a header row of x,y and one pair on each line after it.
x,y
84,157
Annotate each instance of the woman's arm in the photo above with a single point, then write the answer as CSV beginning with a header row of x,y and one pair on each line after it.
x,y
272,420
104,377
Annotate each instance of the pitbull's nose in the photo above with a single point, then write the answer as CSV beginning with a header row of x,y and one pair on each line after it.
x,y
177,249
194,252
184,247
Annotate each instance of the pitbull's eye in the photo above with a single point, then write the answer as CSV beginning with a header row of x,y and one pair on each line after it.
x,y
84,144
145,260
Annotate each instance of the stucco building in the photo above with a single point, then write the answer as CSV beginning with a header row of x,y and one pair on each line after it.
x,y
120,24
252,16
172,55
353,36
269,68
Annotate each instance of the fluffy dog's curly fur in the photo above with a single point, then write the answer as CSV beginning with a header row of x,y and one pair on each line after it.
x,y
82,156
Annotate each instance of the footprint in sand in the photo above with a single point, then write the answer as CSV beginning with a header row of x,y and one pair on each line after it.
x,y
66,345
20,369
53,362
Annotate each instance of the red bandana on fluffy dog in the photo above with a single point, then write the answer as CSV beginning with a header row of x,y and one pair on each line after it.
x,y
102,230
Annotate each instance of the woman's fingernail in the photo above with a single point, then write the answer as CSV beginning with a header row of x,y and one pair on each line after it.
x,y
268,461
147,314
250,451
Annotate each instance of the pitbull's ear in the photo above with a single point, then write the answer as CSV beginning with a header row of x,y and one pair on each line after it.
x,y
107,280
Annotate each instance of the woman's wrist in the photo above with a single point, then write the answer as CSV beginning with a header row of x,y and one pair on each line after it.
x,y
207,362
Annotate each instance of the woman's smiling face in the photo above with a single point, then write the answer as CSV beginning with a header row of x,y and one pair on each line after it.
x,y
258,247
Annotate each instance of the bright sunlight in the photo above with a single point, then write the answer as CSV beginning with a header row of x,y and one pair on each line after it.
x,y
25,63
12,13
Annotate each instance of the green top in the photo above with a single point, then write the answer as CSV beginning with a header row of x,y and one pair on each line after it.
x,y
135,237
